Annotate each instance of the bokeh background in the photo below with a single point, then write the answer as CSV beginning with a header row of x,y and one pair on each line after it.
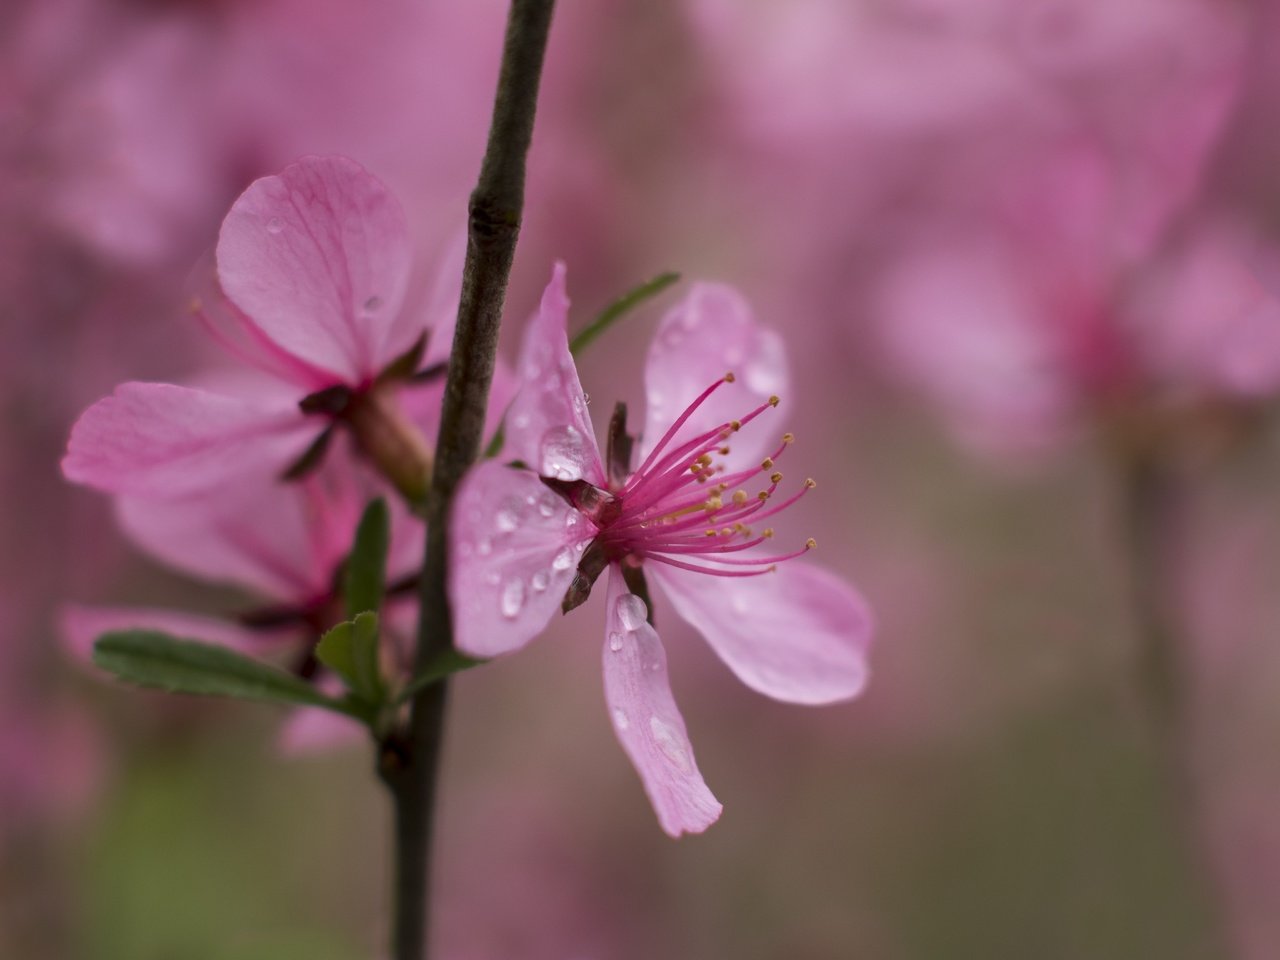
x,y
1024,253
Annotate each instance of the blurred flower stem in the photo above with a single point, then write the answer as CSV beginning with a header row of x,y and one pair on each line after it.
x,y
1154,507
409,758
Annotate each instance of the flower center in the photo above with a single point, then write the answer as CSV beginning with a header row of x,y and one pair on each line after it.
x,y
684,507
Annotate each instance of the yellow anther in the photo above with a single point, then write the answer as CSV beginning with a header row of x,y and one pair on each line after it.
x,y
711,533
724,451
735,425
729,377
775,478
727,531
739,497
774,401
788,438
810,543
762,495
810,483
767,533
713,504
766,463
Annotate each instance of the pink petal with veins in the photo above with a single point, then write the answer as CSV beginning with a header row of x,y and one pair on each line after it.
x,y
318,257
799,634
160,440
514,548
645,717
548,425
711,332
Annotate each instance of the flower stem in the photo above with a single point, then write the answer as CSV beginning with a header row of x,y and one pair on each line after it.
x,y
1153,506
410,759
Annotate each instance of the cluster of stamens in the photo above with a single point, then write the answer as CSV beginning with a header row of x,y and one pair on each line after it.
x,y
684,508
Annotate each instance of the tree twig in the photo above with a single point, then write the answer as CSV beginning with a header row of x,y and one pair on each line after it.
x,y
409,760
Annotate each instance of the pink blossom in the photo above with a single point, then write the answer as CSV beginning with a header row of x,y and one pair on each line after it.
x,y
527,541
313,267
283,544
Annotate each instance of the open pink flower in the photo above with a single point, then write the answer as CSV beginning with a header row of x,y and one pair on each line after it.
x,y
313,265
528,541
283,544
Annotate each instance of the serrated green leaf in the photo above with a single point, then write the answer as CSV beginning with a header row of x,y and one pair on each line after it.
x,y
350,649
620,308
148,658
445,664
365,578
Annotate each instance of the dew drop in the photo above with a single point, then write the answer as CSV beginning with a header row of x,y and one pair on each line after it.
x,y
275,225
539,581
492,578
671,743
563,560
631,611
620,719
520,421
506,520
563,453
512,598
615,641
546,506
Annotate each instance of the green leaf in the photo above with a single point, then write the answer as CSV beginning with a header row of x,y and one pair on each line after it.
x,y
444,664
366,572
351,650
149,658
619,308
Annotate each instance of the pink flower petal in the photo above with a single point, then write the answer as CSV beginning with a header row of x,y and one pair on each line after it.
x,y
441,313
799,634
81,625
257,536
313,730
711,332
548,425
317,258
514,548
161,440
646,719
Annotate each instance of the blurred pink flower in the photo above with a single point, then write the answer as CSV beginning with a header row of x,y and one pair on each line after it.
x,y
314,265
282,543
527,541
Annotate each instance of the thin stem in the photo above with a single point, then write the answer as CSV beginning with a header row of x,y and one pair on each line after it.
x,y
1153,506
409,760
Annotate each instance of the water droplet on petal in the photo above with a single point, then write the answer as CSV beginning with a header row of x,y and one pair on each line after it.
x,y
492,578
615,641
520,421
547,505
620,719
563,453
512,598
506,520
275,225
672,744
631,611
539,581
563,560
